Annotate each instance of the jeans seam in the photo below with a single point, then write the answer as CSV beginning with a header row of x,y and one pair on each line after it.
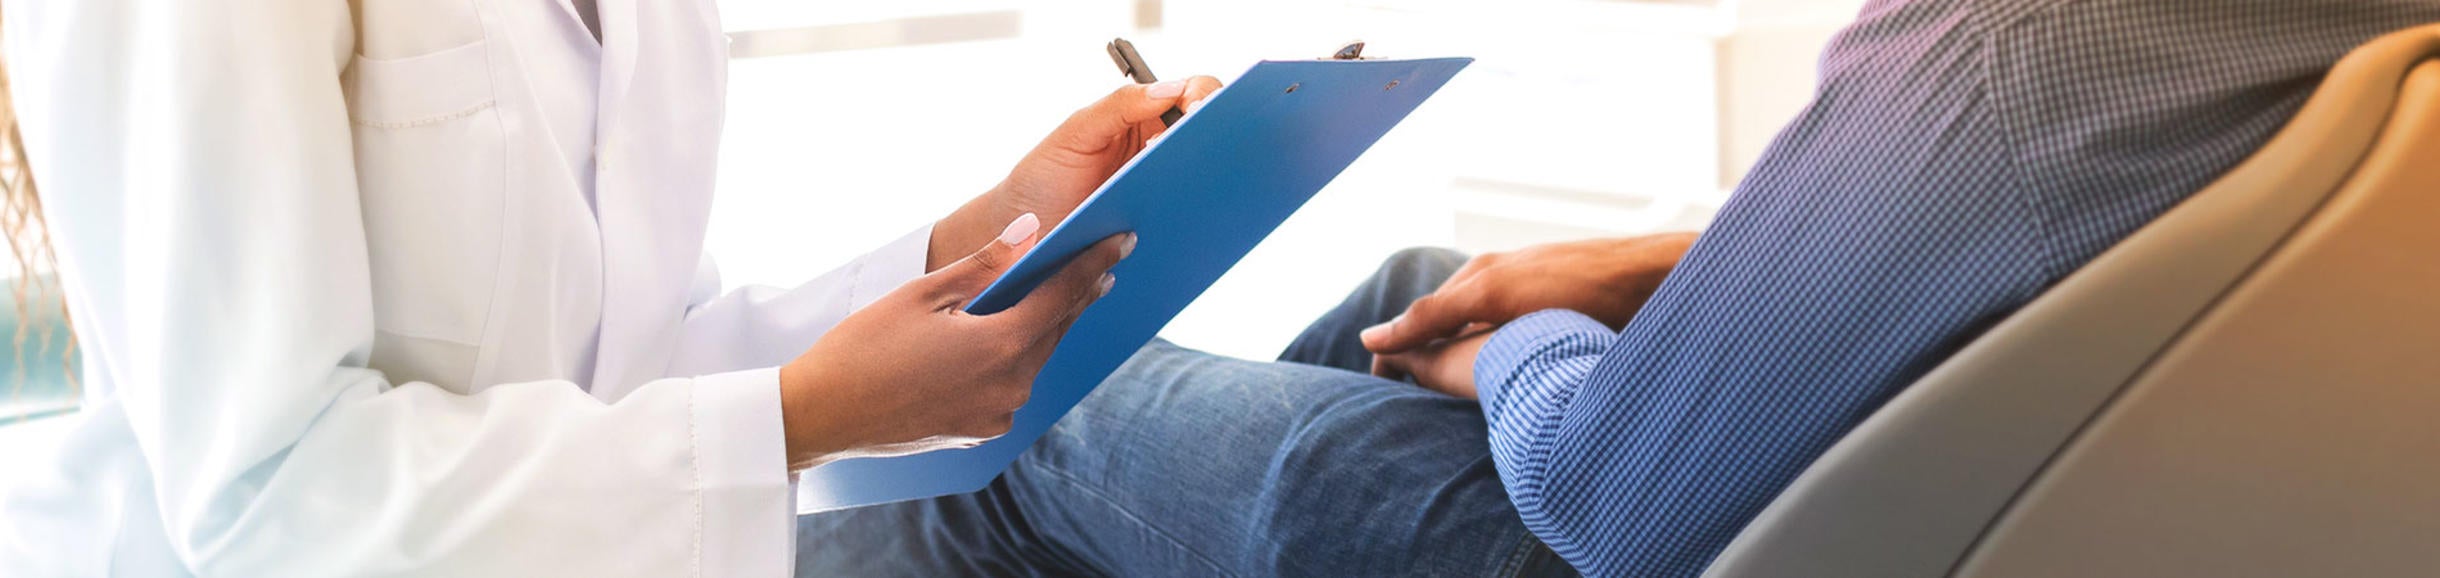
x,y
1515,566
1174,542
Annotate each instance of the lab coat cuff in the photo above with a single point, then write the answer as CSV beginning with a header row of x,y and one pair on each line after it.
x,y
741,472
883,270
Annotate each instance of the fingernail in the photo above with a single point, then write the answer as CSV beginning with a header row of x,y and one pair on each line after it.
x,y
1107,281
1020,230
1166,89
1126,247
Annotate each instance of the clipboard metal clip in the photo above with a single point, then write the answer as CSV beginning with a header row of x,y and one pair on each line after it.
x,y
1351,51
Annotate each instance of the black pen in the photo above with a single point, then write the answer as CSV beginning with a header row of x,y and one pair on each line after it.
x,y
1132,65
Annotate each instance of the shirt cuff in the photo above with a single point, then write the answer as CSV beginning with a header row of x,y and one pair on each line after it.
x,y
741,474
894,264
1534,355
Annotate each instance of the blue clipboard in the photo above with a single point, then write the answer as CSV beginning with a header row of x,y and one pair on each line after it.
x,y
1214,186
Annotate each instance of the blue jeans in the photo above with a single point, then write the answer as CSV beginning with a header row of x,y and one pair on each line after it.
x,y
1189,464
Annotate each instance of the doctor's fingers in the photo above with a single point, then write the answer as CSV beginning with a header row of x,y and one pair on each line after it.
x,y
1133,105
1055,304
954,285
1150,130
1197,92
1039,353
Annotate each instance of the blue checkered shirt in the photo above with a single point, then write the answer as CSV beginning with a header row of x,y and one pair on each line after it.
x,y
1959,157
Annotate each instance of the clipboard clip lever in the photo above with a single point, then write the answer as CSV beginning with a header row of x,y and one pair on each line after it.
x,y
1350,51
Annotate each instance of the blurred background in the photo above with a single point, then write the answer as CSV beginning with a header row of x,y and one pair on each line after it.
x,y
852,122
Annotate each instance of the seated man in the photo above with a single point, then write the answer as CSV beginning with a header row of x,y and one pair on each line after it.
x,y
1959,158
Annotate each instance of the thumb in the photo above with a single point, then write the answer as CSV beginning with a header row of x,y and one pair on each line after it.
x,y
968,277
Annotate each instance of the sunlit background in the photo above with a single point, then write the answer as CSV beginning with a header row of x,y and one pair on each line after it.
x,y
853,121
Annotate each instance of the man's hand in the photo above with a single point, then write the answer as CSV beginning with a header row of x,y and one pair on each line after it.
x,y
1606,279
1069,164
1446,366
913,372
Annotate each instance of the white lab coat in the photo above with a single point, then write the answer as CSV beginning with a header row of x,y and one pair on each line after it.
x,y
387,287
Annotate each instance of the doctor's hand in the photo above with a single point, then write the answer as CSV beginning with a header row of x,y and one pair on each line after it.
x,y
1606,279
1069,164
913,372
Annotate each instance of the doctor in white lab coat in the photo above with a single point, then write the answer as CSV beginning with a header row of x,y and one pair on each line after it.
x,y
384,287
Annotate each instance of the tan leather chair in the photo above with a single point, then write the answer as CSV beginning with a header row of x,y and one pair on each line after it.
x,y
2249,386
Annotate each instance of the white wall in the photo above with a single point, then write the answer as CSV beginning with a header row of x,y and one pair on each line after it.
x,y
1768,70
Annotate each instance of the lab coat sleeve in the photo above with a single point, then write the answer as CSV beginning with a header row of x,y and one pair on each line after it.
x,y
196,164
758,326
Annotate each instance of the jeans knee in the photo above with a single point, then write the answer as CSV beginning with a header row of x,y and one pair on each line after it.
x,y
1422,261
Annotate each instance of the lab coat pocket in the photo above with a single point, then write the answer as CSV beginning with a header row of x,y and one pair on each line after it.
x,y
431,167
